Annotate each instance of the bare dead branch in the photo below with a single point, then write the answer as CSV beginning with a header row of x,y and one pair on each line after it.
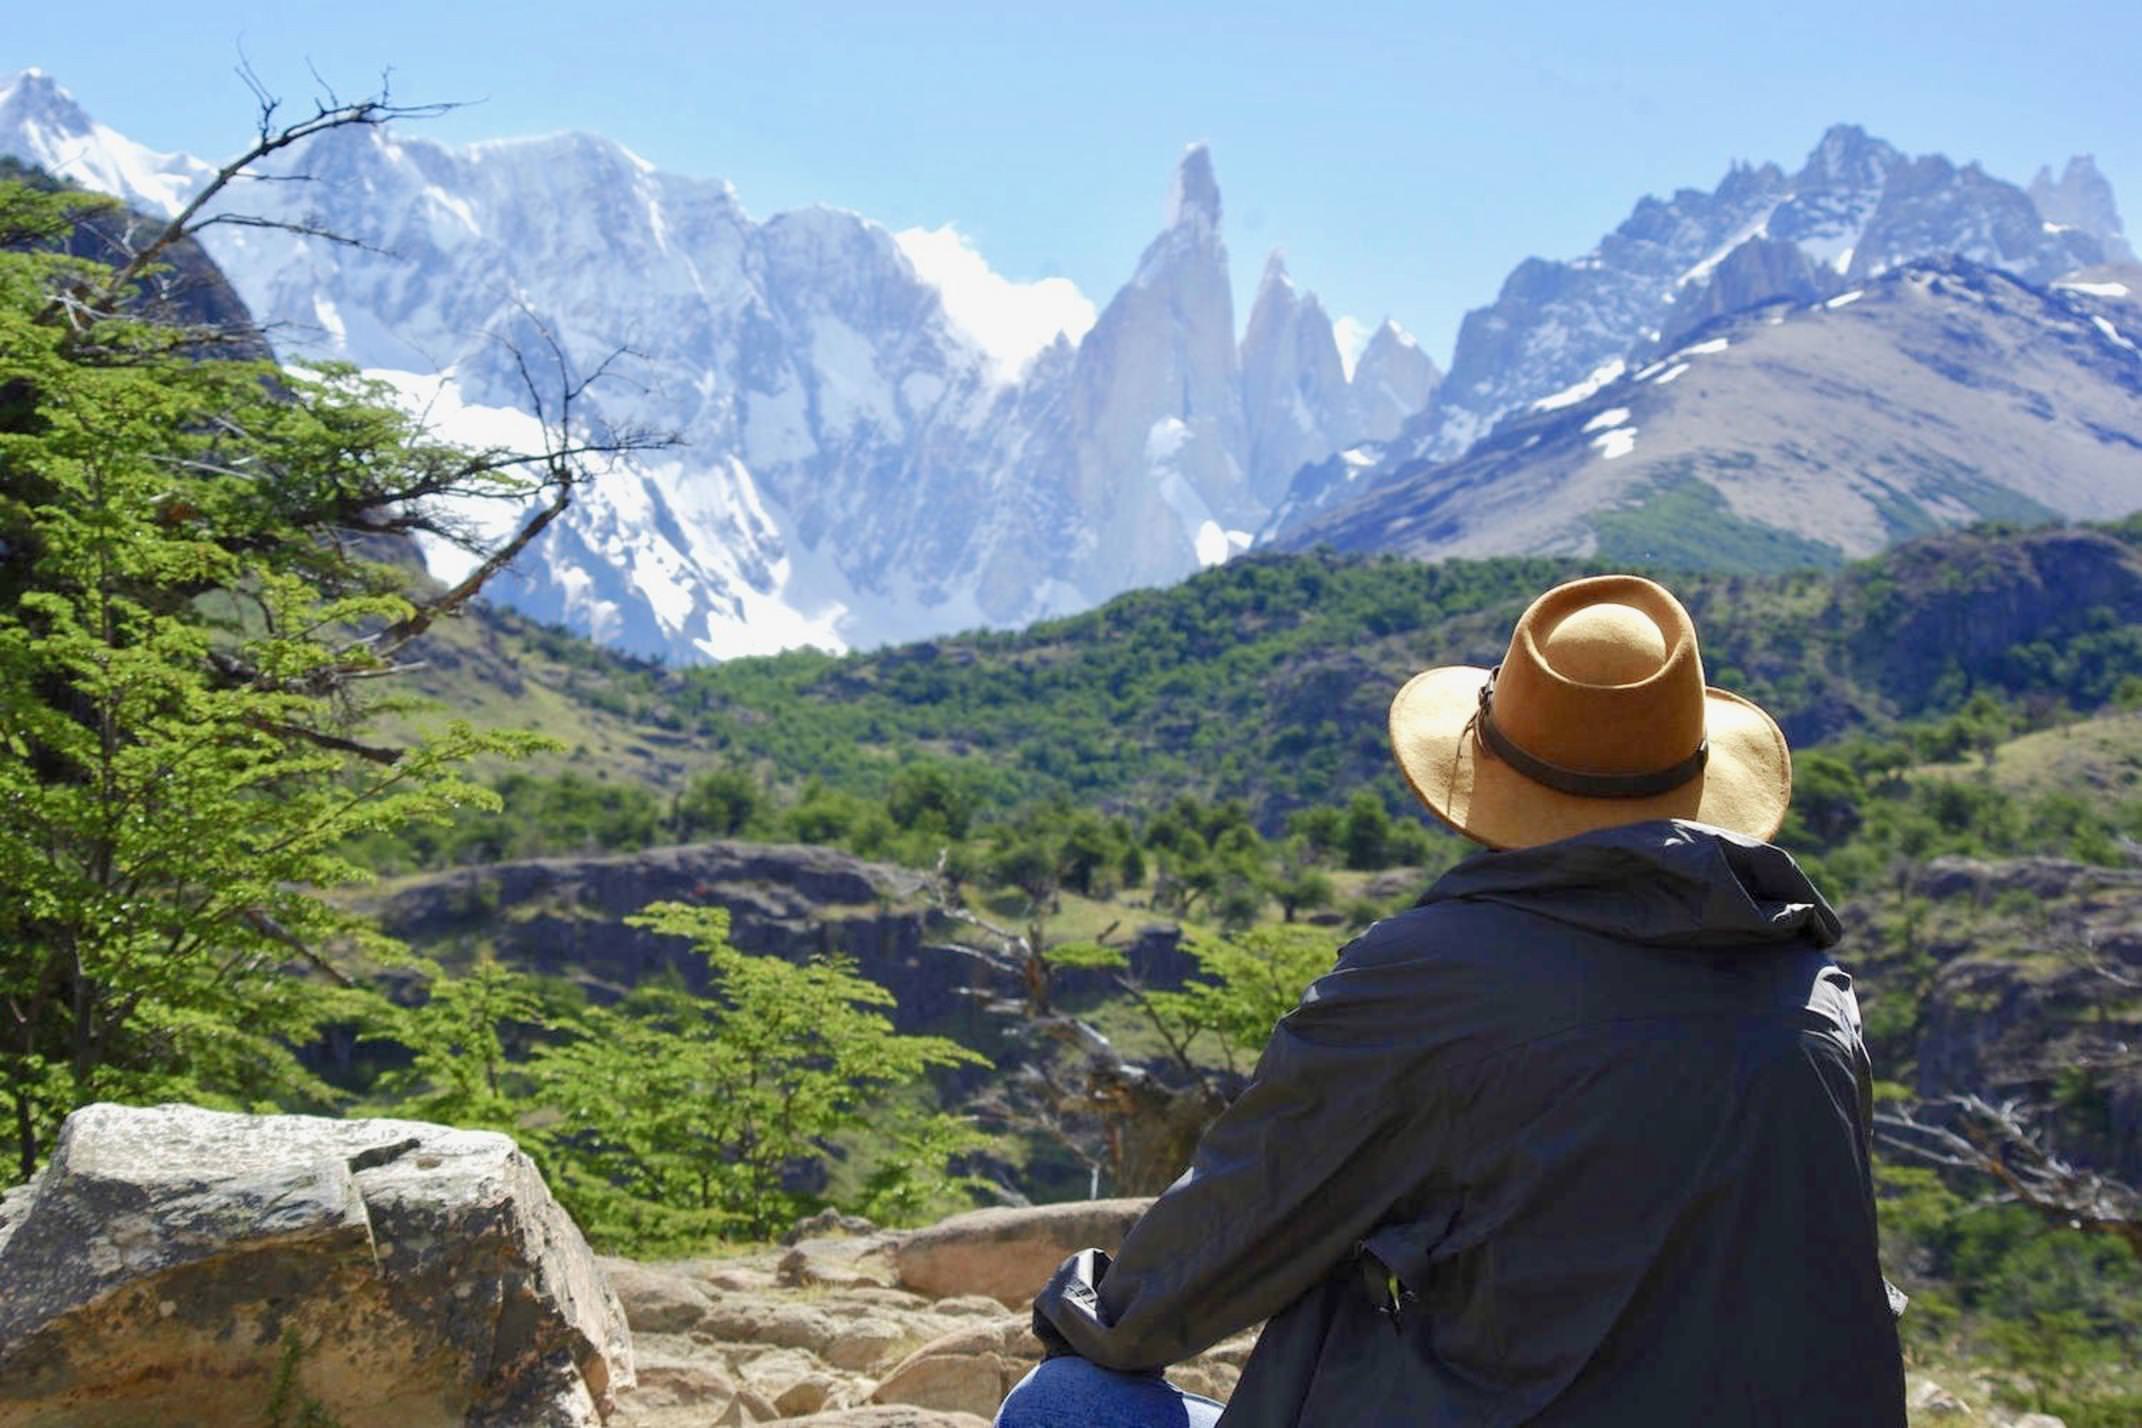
x,y
1998,1142
300,227
102,297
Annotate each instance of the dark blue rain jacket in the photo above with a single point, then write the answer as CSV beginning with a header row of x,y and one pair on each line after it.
x,y
1601,1108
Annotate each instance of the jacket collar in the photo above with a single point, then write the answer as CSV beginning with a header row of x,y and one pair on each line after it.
x,y
1668,882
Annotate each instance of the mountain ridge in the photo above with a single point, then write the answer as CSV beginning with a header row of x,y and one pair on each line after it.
x,y
1794,432
856,466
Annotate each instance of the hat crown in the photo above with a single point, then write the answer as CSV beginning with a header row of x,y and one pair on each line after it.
x,y
1603,677
1608,644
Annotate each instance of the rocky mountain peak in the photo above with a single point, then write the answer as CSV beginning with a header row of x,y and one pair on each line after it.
x,y
2081,198
1194,199
1275,275
41,124
32,96
1393,380
1847,157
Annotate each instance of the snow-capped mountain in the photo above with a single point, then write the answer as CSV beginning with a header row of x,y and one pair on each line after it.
x,y
1856,208
1795,432
876,439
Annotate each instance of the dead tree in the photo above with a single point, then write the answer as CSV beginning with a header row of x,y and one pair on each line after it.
x,y
1078,1089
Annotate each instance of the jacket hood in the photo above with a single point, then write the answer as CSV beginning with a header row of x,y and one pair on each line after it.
x,y
1667,883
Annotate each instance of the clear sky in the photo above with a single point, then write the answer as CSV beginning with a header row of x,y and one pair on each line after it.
x,y
1404,155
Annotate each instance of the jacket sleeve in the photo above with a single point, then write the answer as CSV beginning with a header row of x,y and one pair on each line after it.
x,y
1290,1177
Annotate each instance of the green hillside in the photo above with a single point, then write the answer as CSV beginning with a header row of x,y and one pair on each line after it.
x,y
1266,679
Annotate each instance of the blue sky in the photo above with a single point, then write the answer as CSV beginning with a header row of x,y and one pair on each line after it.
x,y
1405,156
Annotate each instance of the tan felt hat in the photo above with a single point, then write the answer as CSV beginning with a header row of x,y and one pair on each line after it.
x,y
1598,715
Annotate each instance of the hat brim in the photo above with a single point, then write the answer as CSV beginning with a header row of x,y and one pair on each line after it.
x,y
1745,785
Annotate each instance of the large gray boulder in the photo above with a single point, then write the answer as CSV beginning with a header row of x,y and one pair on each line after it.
x,y
171,1265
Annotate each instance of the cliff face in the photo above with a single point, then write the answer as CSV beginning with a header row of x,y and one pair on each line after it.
x,y
2014,979
565,917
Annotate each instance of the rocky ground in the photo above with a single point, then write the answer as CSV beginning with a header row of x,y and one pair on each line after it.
x,y
885,1330
926,1329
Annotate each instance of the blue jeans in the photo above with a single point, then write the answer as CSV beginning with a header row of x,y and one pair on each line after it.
x,y
1072,1392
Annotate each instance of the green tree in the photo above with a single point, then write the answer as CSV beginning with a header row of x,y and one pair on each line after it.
x,y
719,803
701,1104
926,797
1365,836
459,1072
188,638
1088,852
1302,891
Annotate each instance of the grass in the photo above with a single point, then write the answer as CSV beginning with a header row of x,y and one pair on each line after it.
x,y
1683,523
2099,757
484,669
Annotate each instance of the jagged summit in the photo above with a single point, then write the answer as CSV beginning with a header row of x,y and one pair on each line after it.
x,y
1275,271
35,91
1847,154
1856,208
2081,198
1194,197
41,123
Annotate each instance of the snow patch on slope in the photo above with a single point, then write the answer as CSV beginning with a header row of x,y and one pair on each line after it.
x,y
1570,396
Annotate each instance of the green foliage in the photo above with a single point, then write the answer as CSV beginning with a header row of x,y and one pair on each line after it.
x,y
721,803
2059,1309
179,645
1682,522
459,1069
677,1113
1244,983
914,1181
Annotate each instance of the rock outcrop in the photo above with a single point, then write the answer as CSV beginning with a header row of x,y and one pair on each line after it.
x,y
2020,997
182,1266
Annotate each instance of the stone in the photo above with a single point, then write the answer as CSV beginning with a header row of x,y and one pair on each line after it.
x,y
1929,1399
1009,1334
656,1300
2038,1420
837,1262
863,1343
1008,1254
770,1321
791,1379
169,1258
977,1304
806,1395
679,1381
828,1222
963,1383
969,1369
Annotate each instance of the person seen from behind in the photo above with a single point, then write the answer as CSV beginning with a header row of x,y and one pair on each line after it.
x,y
1580,1140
